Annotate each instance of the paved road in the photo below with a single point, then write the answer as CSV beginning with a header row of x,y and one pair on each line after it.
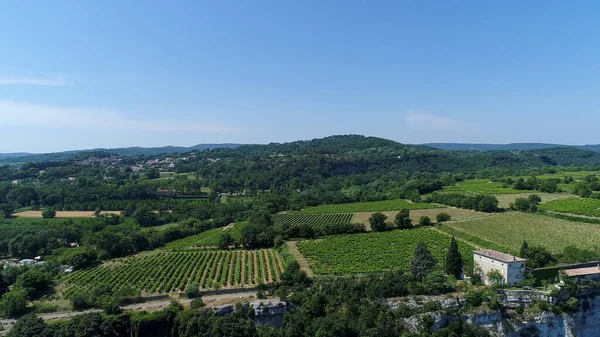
x,y
156,305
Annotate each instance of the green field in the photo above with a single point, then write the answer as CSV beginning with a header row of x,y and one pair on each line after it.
x,y
374,252
209,238
511,228
313,219
369,206
167,272
581,206
483,186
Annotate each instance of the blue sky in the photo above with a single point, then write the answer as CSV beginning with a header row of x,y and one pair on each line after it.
x,y
84,74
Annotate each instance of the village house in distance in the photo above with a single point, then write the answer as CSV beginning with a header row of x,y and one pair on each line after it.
x,y
511,267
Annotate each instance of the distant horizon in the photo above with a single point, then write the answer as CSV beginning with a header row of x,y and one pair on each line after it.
x,y
275,142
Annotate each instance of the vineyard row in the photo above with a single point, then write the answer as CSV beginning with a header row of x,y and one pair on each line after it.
x,y
168,272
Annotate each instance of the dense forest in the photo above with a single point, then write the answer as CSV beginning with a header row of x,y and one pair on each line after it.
x,y
192,192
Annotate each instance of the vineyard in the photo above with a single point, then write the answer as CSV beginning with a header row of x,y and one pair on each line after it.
x,y
313,219
168,272
209,238
369,206
511,228
581,206
374,252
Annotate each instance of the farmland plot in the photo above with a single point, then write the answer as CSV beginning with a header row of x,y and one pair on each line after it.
x,y
504,200
374,252
313,219
483,186
209,238
511,228
168,272
581,206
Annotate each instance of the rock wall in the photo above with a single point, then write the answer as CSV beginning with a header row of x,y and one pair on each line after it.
x,y
583,323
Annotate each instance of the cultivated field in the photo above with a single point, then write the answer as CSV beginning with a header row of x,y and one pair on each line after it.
x,y
483,186
167,272
511,228
209,238
374,252
504,200
370,206
313,219
415,215
581,206
63,214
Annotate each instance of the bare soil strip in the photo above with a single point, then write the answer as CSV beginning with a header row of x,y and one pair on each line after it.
x,y
268,266
63,214
300,258
255,267
242,272
231,262
279,263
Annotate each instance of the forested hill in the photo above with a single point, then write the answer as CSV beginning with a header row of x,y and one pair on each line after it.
x,y
126,151
506,147
334,169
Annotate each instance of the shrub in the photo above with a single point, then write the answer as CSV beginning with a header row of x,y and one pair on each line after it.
x,y
80,302
48,213
197,303
424,221
192,290
443,217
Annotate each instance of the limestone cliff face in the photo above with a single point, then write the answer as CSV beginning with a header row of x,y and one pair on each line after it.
x,y
583,323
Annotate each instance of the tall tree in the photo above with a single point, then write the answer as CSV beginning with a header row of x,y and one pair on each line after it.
x,y
402,219
423,262
454,262
377,221
524,247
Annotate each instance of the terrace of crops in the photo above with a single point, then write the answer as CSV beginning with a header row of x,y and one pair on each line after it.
x,y
209,238
370,206
511,228
374,252
313,219
580,206
166,272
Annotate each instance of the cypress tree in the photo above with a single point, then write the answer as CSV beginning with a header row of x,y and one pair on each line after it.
x,y
454,262
524,248
423,262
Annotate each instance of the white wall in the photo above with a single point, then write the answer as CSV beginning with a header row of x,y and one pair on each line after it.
x,y
513,272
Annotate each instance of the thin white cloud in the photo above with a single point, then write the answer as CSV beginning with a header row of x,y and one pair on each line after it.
x,y
25,114
54,80
427,121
